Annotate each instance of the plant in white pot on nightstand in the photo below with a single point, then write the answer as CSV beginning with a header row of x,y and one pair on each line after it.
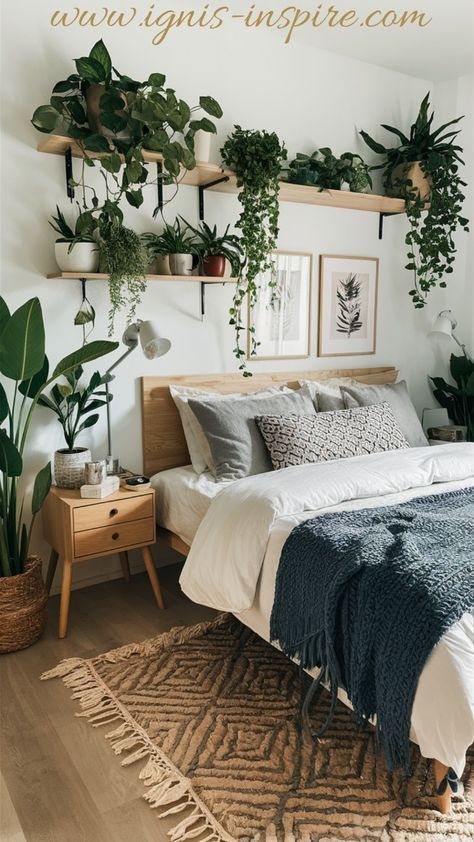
x,y
73,405
76,249
23,363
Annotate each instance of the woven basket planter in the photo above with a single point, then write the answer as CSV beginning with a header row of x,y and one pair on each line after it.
x,y
22,607
69,467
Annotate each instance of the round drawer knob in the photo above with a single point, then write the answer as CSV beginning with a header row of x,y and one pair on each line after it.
x,y
115,535
113,512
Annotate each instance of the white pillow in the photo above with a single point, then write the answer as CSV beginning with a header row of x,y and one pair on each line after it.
x,y
198,446
326,394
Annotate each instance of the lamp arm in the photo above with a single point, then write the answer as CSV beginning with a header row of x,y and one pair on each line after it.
x,y
120,359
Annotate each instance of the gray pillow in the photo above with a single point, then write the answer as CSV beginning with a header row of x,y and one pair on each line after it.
x,y
236,445
396,395
297,440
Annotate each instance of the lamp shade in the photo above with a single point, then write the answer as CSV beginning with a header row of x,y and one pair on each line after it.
x,y
444,324
153,344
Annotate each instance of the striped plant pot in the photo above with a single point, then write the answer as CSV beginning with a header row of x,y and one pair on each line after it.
x,y
69,467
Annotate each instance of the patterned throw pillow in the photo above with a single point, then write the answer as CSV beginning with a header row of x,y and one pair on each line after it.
x,y
298,439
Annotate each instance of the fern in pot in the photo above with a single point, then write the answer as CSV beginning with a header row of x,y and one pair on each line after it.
x,y
26,373
75,408
75,249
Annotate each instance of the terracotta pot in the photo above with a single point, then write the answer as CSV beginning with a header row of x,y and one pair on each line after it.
x,y
414,172
22,607
93,96
214,266
181,264
69,467
83,257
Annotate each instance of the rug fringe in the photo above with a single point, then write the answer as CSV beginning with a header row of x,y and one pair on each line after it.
x,y
166,786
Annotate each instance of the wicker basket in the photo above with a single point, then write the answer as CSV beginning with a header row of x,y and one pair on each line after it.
x,y
22,607
69,467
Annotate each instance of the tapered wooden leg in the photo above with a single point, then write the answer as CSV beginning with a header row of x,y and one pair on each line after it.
x,y
444,800
125,565
65,598
152,575
53,561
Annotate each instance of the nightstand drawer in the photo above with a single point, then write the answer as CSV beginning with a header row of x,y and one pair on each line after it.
x,y
114,538
113,511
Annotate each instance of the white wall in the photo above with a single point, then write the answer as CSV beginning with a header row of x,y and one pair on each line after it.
x,y
311,98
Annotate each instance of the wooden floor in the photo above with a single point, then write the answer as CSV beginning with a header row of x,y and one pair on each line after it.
x,y
60,781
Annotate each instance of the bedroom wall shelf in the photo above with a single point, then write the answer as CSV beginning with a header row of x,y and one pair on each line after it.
x,y
212,177
203,280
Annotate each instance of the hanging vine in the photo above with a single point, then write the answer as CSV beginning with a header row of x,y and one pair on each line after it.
x,y
256,157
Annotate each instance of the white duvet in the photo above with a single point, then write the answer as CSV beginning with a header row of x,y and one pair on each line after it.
x,y
234,558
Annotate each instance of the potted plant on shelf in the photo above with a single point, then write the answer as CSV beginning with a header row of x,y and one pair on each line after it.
x,y
458,398
124,258
158,253
75,249
73,405
324,170
112,114
23,362
179,245
424,166
257,158
215,249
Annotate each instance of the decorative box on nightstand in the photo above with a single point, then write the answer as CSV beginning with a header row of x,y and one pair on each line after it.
x,y
79,529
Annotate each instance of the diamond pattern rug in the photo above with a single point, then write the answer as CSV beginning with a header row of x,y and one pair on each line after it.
x,y
212,713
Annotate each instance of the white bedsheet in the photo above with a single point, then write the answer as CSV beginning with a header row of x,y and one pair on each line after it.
x,y
234,559
183,498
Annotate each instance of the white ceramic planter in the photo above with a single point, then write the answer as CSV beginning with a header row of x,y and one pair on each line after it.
x,y
83,257
69,467
181,264
202,146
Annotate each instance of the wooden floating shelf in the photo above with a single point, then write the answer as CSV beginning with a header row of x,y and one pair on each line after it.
x,y
204,174
101,276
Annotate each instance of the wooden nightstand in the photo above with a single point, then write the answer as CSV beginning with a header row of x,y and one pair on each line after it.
x,y
78,529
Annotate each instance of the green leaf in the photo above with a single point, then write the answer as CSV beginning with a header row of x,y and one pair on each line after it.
x,y
11,462
100,54
111,163
3,404
134,198
156,80
210,106
4,314
91,70
45,119
372,144
22,342
31,387
41,488
396,132
89,422
97,143
90,351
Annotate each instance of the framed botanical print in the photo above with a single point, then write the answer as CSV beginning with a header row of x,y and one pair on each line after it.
x,y
281,322
347,305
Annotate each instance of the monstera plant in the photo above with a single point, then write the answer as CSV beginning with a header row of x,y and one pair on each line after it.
x,y
23,362
107,112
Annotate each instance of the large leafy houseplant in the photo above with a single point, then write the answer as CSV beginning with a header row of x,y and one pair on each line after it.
x,y
73,403
458,397
257,158
109,113
23,361
430,240
323,169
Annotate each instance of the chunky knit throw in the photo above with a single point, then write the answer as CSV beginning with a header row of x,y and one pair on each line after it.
x,y
367,594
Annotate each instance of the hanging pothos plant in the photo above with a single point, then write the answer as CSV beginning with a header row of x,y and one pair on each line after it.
x,y
257,158
425,166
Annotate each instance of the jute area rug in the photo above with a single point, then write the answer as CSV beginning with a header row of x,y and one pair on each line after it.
x,y
211,717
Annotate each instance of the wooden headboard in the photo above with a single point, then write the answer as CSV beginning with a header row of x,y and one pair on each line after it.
x,y
164,445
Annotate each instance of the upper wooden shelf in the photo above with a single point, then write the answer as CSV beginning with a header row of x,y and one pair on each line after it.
x,y
101,276
204,174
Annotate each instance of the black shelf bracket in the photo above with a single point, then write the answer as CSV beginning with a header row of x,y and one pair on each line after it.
x,y
203,187
159,185
381,219
203,286
69,173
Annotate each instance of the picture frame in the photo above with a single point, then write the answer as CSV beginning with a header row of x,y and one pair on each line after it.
x,y
283,328
348,293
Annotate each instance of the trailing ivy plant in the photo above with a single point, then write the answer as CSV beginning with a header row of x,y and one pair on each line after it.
x,y
257,158
132,116
123,256
430,240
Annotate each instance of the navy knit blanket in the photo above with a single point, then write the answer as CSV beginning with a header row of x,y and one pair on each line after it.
x,y
367,594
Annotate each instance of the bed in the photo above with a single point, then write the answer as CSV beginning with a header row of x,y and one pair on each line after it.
x,y
442,722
